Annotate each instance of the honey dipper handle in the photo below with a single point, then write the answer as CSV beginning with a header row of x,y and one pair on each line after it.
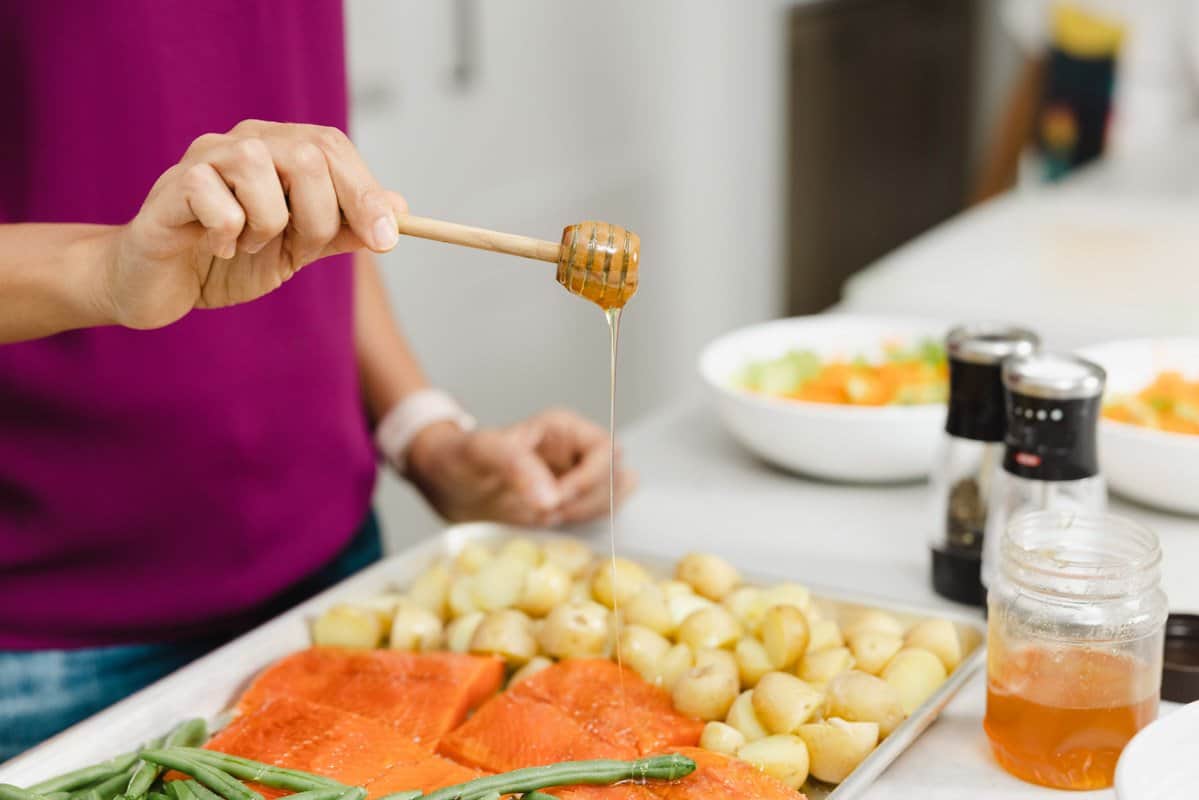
x,y
480,238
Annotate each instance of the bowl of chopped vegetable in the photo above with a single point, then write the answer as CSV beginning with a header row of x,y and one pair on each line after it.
x,y
1149,432
844,397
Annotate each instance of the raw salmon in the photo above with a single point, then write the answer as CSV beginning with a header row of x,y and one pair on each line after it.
x,y
716,777
421,695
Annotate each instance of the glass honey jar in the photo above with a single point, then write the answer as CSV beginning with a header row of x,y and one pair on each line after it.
x,y
1074,645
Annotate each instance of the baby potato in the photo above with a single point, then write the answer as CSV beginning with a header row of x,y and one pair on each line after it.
x,y
499,583
872,649
459,632
836,746
747,604
789,594
824,633
785,635
939,637
580,592
711,626
649,609
743,717
822,666
431,590
535,665
505,633
711,655
673,588
783,702
677,661
523,549
576,631
874,620
471,557
710,576
617,582
461,599
570,554
782,756
752,661
415,629
642,650
684,604
348,626
858,697
915,674
721,738
545,587
384,605
706,692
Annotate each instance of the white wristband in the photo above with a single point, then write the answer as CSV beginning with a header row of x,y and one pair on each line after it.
x,y
410,416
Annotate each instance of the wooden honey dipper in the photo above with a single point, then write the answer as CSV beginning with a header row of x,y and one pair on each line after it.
x,y
595,260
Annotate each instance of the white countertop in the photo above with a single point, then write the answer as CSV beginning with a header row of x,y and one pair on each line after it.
x,y
702,491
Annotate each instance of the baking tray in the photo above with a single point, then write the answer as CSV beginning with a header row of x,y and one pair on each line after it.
x,y
209,686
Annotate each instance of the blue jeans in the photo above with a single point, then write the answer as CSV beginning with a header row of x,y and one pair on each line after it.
x,y
45,691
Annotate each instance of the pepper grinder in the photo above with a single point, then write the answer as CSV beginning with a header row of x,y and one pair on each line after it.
x,y
970,453
1049,460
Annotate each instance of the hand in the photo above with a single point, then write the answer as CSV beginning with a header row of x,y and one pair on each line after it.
x,y
549,470
239,215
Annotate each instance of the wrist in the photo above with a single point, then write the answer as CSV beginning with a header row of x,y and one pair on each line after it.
x,y
90,266
420,424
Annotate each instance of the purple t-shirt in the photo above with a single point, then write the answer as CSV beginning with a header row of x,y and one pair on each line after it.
x,y
161,483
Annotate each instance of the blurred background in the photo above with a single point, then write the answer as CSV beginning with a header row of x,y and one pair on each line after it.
x,y
767,152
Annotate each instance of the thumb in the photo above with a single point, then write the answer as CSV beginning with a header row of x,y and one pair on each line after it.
x,y
513,456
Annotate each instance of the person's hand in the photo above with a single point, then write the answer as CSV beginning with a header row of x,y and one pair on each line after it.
x,y
239,215
549,470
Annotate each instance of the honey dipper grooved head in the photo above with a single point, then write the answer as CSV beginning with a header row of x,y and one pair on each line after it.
x,y
599,262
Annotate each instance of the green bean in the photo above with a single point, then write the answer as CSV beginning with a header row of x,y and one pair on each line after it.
x,y
184,790
56,796
220,782
200,791
86,776
191,732
267,774
410,794
106,789
568,773
10,792
537,796
157,796
324,793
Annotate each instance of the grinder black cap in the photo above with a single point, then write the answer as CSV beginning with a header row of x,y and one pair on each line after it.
x,y
976,354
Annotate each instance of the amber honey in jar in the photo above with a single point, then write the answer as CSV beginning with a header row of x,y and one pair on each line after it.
x,y
1075,627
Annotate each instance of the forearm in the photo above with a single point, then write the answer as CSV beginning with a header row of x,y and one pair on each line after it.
x,y
52,279
387,368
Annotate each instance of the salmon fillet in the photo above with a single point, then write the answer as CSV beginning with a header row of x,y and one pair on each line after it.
x,y
423,696
716,777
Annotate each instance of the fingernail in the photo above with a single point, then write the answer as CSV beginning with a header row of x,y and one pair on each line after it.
x,y
385,233
229,251
256,247
546,495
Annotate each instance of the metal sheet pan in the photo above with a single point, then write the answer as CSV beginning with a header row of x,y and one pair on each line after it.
x,y
209,686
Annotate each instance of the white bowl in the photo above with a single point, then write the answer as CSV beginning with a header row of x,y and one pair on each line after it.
x,y
1159,763
1152,467
859,444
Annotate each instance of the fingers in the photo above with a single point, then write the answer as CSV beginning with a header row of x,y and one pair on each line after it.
x,y
247,168
207,199
512,455
315,216
594,503
366,206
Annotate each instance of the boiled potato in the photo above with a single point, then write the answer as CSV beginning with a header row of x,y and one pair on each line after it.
x,y
784,634
874,620
471,557
523,549
642,650
915,674
535,665
822,666
677,661
789,594
348,626
459,632
710,576
462,596
649,609
783,702
499,583
836,746
570,554
617,582
824,634
782,756
743,717
385,606
706,692
683,605
505,633
858,697
711,655
721,738
576,631
415,629
939,637
872,649
711,626
752,661
747,604
674,588
545,587
580,592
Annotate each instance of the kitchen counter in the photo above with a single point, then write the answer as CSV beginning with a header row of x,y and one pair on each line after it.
x,y
702,491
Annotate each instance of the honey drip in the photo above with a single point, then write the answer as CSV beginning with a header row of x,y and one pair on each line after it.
x,y
613,316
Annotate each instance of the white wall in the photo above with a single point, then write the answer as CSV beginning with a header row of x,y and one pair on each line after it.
x,y
663,116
